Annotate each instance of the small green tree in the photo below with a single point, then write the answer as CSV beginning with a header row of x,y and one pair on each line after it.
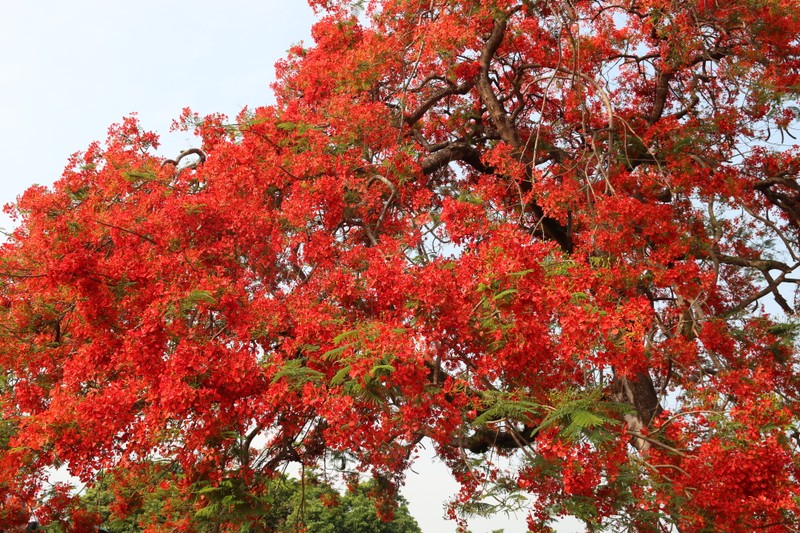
x,y
326,510
287,506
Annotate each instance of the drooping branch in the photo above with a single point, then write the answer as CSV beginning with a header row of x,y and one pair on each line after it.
x,y
388,202
191,151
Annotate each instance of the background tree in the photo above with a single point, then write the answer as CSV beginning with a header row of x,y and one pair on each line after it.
x,y
537,229
286,505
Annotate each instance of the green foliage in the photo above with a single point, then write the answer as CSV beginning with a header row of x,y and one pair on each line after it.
x,y
198,296
500,405
297,374
583,416
287,505
321,509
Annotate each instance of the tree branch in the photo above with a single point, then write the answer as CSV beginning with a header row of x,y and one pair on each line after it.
x,y
462,88
455,151
484,85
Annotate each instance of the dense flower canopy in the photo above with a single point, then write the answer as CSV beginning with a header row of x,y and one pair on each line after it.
x,y
566,231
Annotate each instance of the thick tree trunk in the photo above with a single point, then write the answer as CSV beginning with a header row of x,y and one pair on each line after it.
x,y
639,392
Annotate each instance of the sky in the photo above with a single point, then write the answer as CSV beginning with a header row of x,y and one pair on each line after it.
x,y
71,69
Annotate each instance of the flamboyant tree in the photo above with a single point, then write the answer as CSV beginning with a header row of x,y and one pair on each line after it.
x,y
564,231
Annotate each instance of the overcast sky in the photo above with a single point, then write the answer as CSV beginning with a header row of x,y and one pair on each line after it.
x,y
71,69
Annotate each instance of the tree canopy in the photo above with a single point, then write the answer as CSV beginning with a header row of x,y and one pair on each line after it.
x,y
566,232
285,505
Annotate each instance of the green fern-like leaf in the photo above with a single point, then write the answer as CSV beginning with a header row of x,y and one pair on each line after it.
x,y
586,419
297,374
583,414
503,406
367,393
335,353
209,511
341,376
384,369
345,336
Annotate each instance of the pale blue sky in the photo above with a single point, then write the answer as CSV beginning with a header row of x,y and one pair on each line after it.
x,y
71,69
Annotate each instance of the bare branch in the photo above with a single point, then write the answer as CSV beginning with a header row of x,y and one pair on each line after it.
x,y
190,151
462,88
